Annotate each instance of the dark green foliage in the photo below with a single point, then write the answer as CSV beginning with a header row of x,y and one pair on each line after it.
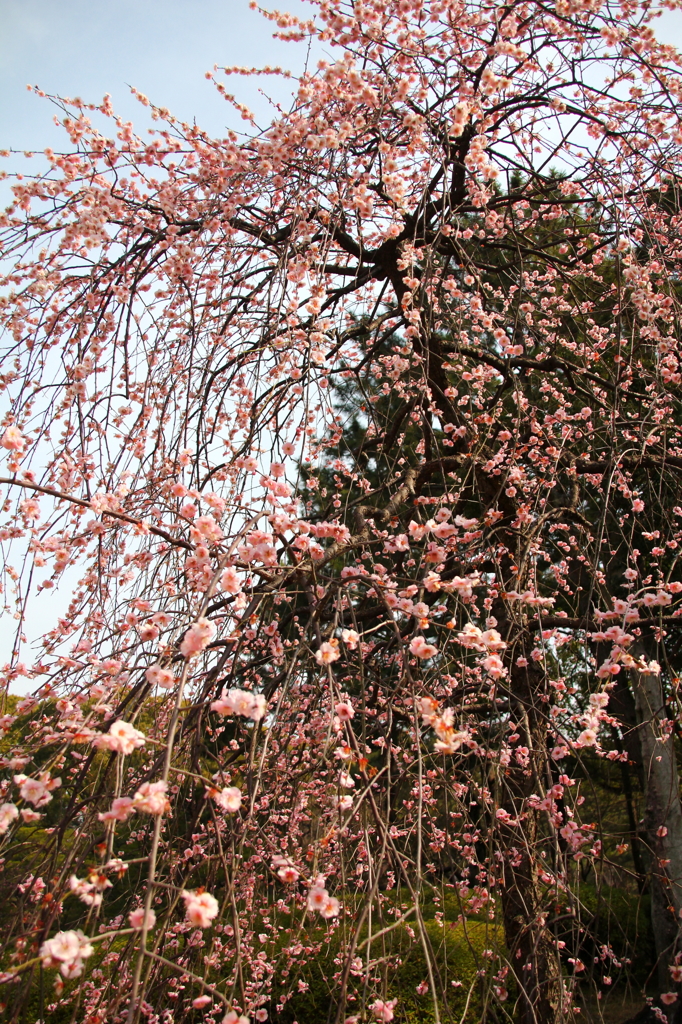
x,y
399,959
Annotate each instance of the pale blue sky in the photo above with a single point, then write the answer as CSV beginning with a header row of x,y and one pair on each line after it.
x,y
162,47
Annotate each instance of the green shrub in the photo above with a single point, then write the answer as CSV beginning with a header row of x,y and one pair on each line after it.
x,y
457,955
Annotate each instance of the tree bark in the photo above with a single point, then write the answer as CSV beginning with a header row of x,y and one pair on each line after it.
x,y
532,949
663,818
622,706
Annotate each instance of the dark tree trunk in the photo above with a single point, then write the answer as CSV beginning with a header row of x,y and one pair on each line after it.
x,y
531,946
622,706
663,818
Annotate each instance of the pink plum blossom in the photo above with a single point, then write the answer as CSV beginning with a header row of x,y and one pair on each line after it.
x,y
151,798
197,638
8,814
200,908
137,918
241,702
229,798
123,738
121,809
66,950
201,1001
317,898
421,649
328,652
350,638
230,581
158,676
383,1011
13,439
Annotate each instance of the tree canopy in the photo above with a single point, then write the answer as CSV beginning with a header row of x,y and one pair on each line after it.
x,y
351,448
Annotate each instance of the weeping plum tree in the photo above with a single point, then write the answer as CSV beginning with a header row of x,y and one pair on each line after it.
x,y
341,472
